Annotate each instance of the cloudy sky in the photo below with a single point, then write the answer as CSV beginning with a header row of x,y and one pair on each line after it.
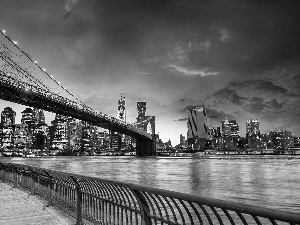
x,y
238,58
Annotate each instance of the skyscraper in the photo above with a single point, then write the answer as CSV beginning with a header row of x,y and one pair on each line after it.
x,y
230,128
252,127
59,134
141,108
121,109
225,128
28,116
38,115
6,127
8,117
234,128
197,123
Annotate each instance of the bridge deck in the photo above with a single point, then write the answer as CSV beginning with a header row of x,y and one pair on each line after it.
x,y
18,207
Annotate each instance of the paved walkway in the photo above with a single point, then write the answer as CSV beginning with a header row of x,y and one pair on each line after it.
x,y
17,207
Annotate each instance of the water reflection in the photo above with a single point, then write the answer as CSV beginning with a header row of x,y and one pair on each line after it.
x,y
271,181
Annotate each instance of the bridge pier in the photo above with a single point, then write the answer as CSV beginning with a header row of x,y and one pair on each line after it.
x,y
145,147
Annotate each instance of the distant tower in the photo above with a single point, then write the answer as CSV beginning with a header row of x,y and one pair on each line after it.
x,y
28,116
225,128
8,117
38,115
230,128
141,108
121,109
252,127
197,123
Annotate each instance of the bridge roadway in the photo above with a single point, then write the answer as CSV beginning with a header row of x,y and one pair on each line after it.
x,y
18,84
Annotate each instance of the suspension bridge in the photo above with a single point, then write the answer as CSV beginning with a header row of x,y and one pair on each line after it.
x,y
25,82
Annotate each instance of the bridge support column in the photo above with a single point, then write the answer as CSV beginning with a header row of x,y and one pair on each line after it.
x,y
145,147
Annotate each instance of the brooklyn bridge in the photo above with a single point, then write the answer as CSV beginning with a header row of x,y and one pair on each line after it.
x,y
25,82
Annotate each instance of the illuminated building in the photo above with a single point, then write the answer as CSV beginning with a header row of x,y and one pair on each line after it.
x,y
8,117
39,116
225,128
252,127
28,116
59,136
121,109
21,136
116,141
282,139
6,127
74,131
215,132
35,119
234,128
229,134
141,108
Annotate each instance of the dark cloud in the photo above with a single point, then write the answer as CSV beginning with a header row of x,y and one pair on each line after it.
x,y
229,95
67,15
189,107
218,115
258,105
274,104
264,85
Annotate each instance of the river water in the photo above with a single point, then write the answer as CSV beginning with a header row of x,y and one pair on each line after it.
x,y
268,181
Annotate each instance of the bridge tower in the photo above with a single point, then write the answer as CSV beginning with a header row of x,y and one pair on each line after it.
x,y
145,147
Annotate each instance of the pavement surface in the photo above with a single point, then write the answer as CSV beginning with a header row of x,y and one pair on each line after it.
x,y
18,207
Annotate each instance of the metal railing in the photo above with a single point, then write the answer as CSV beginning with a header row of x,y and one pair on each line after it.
x,y
98,201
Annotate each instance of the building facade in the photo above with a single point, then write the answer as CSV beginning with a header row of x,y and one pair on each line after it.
x,y
122,109
197,128
252,127
6,128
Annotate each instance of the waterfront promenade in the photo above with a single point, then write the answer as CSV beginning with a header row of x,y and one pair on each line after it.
x,y
18,207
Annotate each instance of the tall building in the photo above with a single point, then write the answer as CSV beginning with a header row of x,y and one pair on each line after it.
x,y
225,128
116,141
59,135
6,127
28,116
182,139
234,128
74,134
8,117
121,109
141,108
38,115
252,127
21,136
197,123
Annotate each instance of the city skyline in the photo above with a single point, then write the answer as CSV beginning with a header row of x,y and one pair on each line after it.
x,y
256,130
238,59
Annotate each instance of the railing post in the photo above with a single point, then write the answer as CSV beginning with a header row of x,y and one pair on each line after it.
x,y
146,220
32,186
15,178
78,202
49,188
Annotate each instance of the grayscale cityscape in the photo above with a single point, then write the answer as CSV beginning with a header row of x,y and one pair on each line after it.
x,y
149,112
69,136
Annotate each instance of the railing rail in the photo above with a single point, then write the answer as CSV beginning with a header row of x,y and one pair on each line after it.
x,y
98,201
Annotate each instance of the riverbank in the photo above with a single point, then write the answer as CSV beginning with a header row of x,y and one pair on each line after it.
x,y
18,207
